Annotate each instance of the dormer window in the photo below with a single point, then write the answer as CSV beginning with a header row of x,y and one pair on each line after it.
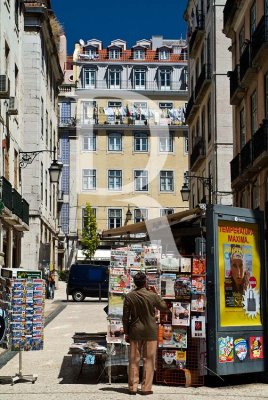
x,y
114,54
164,54
91,53
139,54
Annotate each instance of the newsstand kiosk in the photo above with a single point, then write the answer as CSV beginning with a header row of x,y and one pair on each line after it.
x,y
236,286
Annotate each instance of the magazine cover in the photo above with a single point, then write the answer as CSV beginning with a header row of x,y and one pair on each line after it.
x,y
198,327
171,336
185,264
199,266
169,359
167,285
180,359
237,272
181,314
171,264
180,337
119,280
198,285
182,287
198,302
152,255
119,257
115,331
115,305
135,256
153,279
166,316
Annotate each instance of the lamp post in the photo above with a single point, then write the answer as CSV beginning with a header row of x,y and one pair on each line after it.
x,y
206,181
128,215
27,157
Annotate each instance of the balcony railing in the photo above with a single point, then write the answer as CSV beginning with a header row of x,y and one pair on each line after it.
x,y
235,167
25,211
246,156
67,122
199,28
245,61
6,193
189,107
165,85
203,79
229,11
17,207
198,151
260,36
260,141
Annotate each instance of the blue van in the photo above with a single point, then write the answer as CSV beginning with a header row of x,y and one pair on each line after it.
x,y
87,280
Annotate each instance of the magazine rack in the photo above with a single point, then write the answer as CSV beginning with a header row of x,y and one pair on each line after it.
x,y
19,377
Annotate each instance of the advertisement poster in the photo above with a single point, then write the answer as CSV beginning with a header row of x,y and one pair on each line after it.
x,y
239,274
256,347
226,349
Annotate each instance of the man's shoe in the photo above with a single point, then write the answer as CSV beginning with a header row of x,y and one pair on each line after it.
x,y
132,393
147,393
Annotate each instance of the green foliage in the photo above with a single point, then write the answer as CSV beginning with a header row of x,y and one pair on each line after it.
x,y
90,239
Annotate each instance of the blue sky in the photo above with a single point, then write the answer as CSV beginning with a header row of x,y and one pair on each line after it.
x,y
107,20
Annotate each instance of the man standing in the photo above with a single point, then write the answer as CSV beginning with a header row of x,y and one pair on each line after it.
x,y
140,329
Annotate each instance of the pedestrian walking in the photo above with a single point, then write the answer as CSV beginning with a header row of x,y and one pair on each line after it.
x,y
140,328
51,284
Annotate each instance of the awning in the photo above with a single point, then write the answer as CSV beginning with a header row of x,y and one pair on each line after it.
x,y
153,224
100,254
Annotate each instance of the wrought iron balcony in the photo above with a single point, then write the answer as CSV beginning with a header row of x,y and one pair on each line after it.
x,y
246,156
235,167
130,84
25,211
189,107
198,32
17,207
6,193
260,143
198,153
67,122
229,11
203,81
260,36
236,91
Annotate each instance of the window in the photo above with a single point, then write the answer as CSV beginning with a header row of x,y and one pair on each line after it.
x,y
253,112
253,12
266,93
65,113
88,108
42,117
141,181
114,54
139,78
114,179
166,211
166,181
209,118
140,142
166,143
165,79
89,78
114,218
94,210
115,142
114,79
91,53
89,142
164,54
140,215
186,144
203,124
89,179
139,55
241,40
242,123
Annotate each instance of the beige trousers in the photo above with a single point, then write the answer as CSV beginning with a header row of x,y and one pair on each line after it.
x,y
148,351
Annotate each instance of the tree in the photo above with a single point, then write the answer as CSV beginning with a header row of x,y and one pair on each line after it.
x,y
90,240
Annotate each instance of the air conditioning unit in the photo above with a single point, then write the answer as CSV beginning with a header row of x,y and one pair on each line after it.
x,y
13,107
4,87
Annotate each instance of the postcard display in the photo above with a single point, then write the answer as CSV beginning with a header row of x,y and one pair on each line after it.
x,y
181,353
22,309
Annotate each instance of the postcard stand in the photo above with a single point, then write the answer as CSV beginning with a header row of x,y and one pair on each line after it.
x,y
19,377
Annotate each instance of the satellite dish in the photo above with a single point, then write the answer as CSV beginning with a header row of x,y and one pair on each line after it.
x,y
81,41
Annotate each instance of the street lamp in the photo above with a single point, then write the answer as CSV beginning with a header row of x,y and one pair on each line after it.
x,y
128,216
206,181
27,157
